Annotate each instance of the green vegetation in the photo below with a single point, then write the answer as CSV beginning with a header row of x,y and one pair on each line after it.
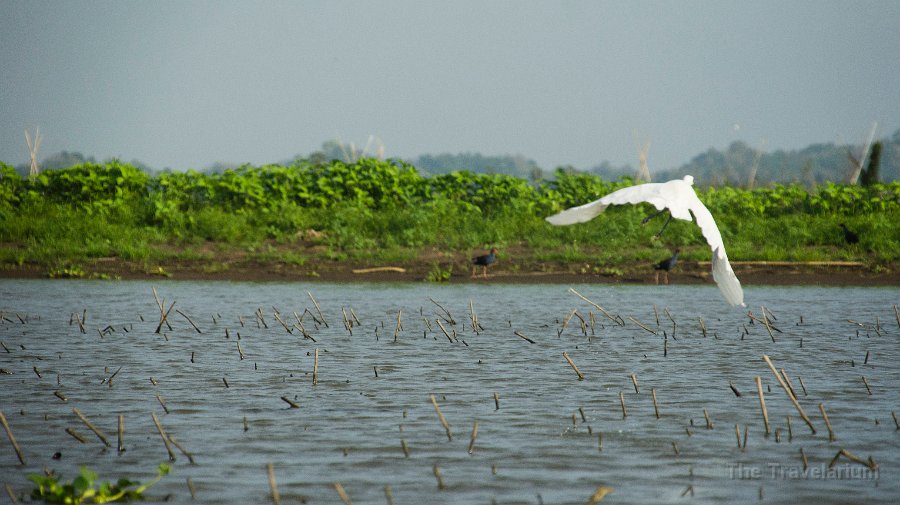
x,y
383,212
86,489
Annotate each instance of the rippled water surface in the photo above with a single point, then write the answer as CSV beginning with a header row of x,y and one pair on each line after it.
x,y
553,439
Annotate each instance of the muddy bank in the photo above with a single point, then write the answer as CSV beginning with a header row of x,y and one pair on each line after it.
x,y
750,273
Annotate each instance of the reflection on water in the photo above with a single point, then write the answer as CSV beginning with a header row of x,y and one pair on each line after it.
x,y
219,391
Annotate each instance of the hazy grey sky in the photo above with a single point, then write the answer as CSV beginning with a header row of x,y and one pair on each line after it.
x,y
184,84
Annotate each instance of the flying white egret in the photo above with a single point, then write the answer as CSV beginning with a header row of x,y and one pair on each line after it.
x,y
679,198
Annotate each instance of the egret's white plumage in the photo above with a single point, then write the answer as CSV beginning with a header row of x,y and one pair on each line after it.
x,y
679,197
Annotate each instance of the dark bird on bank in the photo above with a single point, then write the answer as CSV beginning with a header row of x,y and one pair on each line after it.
x,y
666,265
849,236
485,260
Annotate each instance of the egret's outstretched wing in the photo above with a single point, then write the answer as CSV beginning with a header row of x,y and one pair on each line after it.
x,y
633,194
724,276
580,214
721,269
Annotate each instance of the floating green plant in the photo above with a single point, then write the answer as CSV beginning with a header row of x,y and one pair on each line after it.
x,y
86,489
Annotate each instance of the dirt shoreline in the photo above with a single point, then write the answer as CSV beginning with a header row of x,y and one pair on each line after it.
x,y
758,273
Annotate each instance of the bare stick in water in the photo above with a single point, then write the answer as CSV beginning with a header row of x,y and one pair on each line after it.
x,y
12,439
321,316
162,433
831,436
577,371
188,320
270,470
655,406
599,494
87,423
634,381
787,390
437,475
762,403
601,309
121,446
316,368
441,418
622,401
473,437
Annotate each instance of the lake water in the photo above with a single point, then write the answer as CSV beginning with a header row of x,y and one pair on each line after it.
x,y
373,395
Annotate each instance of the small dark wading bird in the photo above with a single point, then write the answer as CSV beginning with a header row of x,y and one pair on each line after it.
x,y
678,197
484,260
849,236
666,265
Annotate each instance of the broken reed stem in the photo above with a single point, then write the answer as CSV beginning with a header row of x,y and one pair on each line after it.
x,y
831,436
121,440
599,494
871,464
316,368
655,406
709,424
497,406
622,401
601,309
188,320
163,403
790,395
399,324
471,449
12,439
634,381
897,315
162,433
438,321
290,402
270,470
746,432
90,426
76,435
787,381
441,418
163,318
577,371
867,385
762,403
437,475
388,495
635,321
321,316
766,322
523,337
181,448
737,433
11,494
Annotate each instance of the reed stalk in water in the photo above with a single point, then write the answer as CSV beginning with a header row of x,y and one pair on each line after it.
x,y
12,439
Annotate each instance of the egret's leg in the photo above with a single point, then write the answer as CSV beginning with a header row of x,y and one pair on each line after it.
x,y
484,271
664,227
648,218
